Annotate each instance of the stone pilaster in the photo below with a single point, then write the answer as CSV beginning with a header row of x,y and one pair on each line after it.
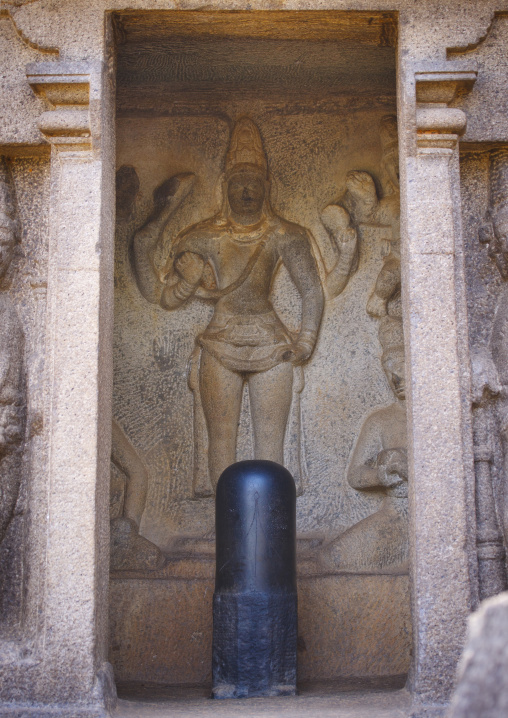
x,y
79,126
441,483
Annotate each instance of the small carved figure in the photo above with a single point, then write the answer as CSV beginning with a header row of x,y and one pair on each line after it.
x,y
387,213
231,259
360,204
379,543
129,550
12,389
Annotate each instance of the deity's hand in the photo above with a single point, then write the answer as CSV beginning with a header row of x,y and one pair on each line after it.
x,y
392,467
190,267
300,351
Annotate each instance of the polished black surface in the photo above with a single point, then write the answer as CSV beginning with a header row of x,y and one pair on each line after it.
x,y
255,602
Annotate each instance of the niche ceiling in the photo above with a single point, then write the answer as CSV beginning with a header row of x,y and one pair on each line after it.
x,y
167,61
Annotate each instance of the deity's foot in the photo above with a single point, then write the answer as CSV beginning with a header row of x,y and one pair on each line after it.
x,y
376,306
130,551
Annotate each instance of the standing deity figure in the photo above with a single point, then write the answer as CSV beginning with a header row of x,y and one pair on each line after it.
x,y
231,260
12,389
379,543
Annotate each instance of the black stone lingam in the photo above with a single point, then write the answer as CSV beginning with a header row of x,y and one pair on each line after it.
x,y
255,602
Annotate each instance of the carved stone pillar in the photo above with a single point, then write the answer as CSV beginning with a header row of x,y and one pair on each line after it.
x,y
79,125
440,442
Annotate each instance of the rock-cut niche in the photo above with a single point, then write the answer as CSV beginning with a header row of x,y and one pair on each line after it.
x,y
257,315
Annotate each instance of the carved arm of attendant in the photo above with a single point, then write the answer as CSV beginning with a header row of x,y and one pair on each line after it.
x,y
336,221
392,467
189,268
296,254
167,198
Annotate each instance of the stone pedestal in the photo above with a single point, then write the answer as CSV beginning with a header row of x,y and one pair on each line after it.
x,y
349,626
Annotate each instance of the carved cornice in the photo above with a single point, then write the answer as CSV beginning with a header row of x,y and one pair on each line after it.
x,y
66,89
438,125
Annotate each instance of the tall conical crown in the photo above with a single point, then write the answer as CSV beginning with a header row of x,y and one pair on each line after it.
x,y
246,149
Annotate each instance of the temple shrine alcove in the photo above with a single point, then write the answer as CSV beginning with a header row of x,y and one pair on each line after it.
x,y
257,314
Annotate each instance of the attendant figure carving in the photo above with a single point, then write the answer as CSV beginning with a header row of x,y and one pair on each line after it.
x,y
12,386
387,213
379,543
360,204
490,381
231,260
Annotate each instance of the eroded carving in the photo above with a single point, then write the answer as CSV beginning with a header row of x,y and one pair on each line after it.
x,y
12,387
379,543
359,205
490,392
231,260
337,222
129,550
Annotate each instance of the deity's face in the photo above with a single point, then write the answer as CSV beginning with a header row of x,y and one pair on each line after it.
x,y
498,245
394,366
7,246
246,194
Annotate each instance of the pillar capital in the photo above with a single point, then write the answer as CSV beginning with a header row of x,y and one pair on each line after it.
x,y
437,84
65,87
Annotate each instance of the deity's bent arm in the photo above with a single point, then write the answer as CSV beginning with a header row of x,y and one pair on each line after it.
x,y
296,253
184,269
150,236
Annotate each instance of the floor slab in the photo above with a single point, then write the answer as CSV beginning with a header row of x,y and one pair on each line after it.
x,y
332,701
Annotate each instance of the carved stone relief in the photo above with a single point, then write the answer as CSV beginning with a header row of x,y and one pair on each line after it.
x,y
12,389
245,259
268,309
362,205
129,550
379,543
490,382
12,413
231,260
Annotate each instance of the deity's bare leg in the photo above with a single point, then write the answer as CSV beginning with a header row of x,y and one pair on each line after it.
x,y
221,395
270,402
